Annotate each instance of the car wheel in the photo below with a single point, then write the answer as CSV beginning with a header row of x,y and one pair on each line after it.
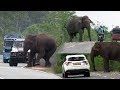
x,y
11,63
65,75
87,74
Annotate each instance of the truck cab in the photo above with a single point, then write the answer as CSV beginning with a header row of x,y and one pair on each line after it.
x,y
115,35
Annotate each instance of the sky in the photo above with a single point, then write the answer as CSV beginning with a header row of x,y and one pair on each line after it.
x,y
107,18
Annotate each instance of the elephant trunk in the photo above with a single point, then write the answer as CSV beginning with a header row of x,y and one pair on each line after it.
x,y
25,54
92,60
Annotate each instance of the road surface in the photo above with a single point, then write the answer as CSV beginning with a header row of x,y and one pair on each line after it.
x,y
20,72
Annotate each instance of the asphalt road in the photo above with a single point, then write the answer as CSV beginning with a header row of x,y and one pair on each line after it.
x,y
20,72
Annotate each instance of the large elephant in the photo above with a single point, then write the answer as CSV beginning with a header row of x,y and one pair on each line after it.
x,y
108,51
77,25
41,44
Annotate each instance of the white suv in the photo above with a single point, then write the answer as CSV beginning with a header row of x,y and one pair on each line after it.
x,y
74,65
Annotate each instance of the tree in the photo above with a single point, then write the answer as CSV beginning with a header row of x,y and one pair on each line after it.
x,y
53,24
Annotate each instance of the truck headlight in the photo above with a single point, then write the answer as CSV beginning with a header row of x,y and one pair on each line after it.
x,y
13,54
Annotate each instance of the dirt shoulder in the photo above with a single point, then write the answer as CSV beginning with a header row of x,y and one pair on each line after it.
x,y
46,69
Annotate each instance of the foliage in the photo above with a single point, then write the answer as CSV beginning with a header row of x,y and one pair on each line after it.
x,y
53,25
17,21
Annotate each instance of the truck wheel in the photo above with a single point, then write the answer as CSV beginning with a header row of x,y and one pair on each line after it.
x,y
11,62
15,63
5,60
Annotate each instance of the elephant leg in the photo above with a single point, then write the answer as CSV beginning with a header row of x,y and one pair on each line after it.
x,y
38,57
71,37
92,60
30,61
47,62
106,65
47,57
93,65
80,35
89,33
34,60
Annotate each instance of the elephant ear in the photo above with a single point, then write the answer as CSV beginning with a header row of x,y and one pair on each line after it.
x,y
97,46
30,39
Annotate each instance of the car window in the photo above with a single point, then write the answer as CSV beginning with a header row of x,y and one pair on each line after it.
x,y
116,31
76,59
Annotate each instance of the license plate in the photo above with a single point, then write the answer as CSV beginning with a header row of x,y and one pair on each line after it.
x,y
77,63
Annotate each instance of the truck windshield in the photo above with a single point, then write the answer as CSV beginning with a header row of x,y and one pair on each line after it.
x,y
116,31
18,44
8,43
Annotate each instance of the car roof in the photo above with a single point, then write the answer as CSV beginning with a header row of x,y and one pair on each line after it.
x,y
68,56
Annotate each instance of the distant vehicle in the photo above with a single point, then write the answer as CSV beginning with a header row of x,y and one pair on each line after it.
x,y
100,37
115,34
9,41
74,65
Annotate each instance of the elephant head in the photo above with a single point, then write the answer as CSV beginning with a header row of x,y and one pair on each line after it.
x,y
86,24
28,44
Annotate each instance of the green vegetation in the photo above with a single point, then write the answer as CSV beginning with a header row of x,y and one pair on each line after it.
x,y
48,22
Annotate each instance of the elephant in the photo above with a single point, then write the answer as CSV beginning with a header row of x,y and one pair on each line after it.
x,y
108,51
40,44
77,25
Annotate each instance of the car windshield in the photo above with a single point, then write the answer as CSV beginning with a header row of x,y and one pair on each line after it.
x,y
116,31
76,59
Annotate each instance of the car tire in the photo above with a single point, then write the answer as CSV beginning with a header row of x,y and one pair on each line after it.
x,y
87,74
11,63
65,75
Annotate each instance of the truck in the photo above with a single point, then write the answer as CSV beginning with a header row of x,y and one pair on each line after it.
x,y
13,52
115,35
